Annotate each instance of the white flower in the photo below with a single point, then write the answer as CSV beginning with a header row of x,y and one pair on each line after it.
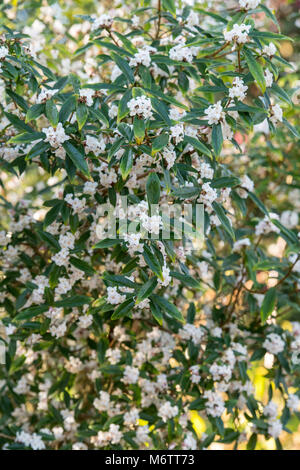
x,y
114,434
293,402
214,405
240,243
189,442
30,440
177,132
249,4
208,194
45,95
140,106
206,171
103,402
103,21
183,53
266,226
269,78
270,50
131,375
142,57
56,136
169,155
239,33
90,187
166,277
271,410
274,344
276,114
85,321
87,95
135,21
167,411
289,219
214,113
275,429
113,296
3,52
238,90
95,145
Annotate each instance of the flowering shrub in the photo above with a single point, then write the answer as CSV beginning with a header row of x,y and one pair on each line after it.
x,y
130,342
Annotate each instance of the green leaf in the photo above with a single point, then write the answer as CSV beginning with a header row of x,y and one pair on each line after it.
x,y
256,69
123,310
18,123
146,289
115,147
152,261
52,214
200,146
124,66
223,219
123,109
268,304
31,312
51,113
126,163
270,15
78,158
159,143
81,114
82,265
49,239
139,129
169,5
166,306
153,189
187,193
75,301
107,243
258,203
187,280
217,139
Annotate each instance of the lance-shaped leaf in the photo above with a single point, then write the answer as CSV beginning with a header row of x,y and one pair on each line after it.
x,y
268,304
159,143
77,156
126,163
256,69
146,289
123,310
153,189
223,219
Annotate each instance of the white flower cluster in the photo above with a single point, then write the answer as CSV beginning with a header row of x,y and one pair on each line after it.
x,y
274,344
30,440
238,34
266,226
55,136
183,53
142,57
238,90
214,113
94,145
140,106
86,95
270,50
103,21
3,52
45,95
249,4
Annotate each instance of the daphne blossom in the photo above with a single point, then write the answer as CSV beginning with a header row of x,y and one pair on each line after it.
x,y
215,113
239,33
140,106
